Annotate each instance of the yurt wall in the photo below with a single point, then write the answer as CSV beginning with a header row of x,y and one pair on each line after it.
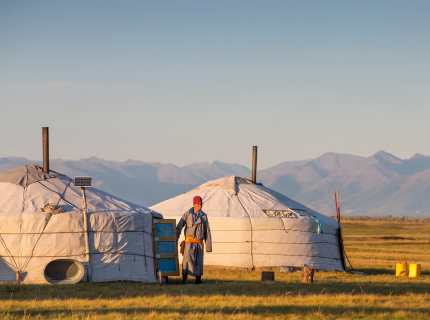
x,y
120,233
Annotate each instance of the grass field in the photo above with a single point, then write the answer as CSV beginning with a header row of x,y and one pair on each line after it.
x,y
373,247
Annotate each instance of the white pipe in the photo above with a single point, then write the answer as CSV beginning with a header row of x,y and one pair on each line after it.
x,y
87,239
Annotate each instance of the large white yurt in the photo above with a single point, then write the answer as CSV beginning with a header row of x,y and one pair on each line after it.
x,y
253,226
119,237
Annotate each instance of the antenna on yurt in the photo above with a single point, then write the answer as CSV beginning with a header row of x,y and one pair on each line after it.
x,y
254,164
85,182
45,137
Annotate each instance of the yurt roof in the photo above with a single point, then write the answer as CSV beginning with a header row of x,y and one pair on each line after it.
x,y
26,189
234,196
25,175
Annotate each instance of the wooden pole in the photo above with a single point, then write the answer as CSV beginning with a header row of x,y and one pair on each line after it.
x,y
254,164
341,246
307,275
87,239
45,135
338,204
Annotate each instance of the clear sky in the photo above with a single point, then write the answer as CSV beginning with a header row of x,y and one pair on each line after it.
x,y
189,81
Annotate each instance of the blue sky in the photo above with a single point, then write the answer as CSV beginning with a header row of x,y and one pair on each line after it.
x,y
188,81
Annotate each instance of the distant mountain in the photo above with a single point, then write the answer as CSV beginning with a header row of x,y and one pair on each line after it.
x,y
313,181
137,181
378,185
407,194
211,170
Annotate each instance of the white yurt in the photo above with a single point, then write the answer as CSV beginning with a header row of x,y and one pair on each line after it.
x,y
255,227
35,237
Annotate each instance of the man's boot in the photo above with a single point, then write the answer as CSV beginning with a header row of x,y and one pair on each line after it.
x,y
184,278
198,280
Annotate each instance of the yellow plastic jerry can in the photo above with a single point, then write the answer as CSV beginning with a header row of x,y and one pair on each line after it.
x,y
402,269
414,270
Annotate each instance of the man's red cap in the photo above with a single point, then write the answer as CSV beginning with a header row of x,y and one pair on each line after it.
x,y
198,200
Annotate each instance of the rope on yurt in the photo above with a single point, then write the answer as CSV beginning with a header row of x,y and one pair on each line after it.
x,y
118,254
348,260
285,229
250,221
58,174
41,233
98,207
22,268
68,202
88,203
24,197
9,254
97,231
64,192
34,247
101,196
94,253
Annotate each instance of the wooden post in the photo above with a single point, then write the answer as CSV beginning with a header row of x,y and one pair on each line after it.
x,y
267,276
45,136
341,246
162,279
307,275
87,238
254,164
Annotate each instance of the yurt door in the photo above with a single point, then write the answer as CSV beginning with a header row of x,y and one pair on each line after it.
x,y
165,248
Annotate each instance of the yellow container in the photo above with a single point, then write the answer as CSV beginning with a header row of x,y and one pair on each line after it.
x,y
414,270
402,269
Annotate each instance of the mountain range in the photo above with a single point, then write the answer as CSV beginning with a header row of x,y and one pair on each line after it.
x,y
381,184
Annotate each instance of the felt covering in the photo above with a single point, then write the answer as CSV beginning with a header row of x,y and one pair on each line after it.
x,y
243,235
120,233
24,176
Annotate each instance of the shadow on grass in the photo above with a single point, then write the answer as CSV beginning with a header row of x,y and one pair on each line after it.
x,y
382,271
212,287
273,311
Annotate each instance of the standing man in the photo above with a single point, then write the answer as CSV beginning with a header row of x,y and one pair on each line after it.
x,y
196,230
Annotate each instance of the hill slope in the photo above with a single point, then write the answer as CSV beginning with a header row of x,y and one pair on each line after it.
x,y
381,184
312,182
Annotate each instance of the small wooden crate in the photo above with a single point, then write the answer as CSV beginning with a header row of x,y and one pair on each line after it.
x,y
268,276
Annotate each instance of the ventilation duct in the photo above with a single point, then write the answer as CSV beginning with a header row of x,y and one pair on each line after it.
x,y
64,271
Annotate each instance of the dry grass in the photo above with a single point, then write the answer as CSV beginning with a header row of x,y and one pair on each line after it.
x,y
241,295
388,218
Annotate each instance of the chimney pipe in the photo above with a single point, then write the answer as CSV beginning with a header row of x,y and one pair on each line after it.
x,y
45,135
254,164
